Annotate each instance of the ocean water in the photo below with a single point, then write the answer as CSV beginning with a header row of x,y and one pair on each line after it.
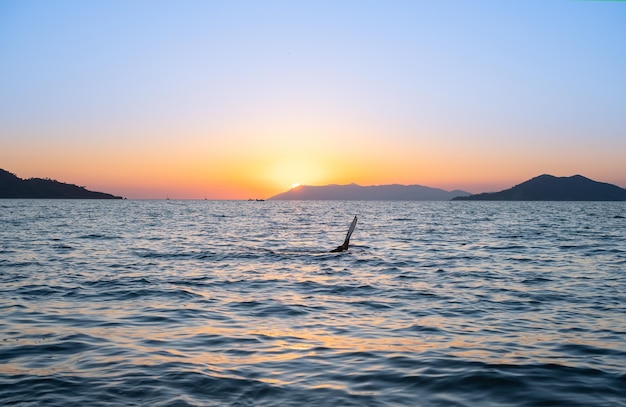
x,y
220,303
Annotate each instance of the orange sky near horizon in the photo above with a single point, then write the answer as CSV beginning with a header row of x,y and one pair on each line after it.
x,y
245,168
218,100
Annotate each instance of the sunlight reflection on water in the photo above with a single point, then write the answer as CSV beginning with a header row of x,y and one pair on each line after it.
x,y
436,303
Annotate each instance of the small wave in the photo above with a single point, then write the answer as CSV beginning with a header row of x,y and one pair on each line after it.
x,y
98,236
584,350
265,309
151,254
537,280
20,264
40,291
375,305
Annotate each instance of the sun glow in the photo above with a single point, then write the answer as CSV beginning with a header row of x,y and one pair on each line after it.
x,y
296,185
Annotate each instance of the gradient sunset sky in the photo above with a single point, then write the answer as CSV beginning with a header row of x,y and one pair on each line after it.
x,y
243,99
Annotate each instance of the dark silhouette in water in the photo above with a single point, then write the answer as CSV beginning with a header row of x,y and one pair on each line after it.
x,y
346,242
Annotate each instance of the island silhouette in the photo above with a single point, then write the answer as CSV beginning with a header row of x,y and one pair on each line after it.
x,y
550,188
355,192
542,188
11,186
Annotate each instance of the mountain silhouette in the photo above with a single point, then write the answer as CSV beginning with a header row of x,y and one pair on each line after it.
x,y
354,192
12,186
550,188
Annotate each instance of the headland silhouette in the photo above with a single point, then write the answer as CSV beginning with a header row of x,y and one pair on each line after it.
x,y
550,188
13,187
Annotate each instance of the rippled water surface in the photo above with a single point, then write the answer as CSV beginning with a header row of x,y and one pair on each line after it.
x,y
211,303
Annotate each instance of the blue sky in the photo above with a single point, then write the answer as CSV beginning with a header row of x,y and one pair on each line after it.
x,y
477,95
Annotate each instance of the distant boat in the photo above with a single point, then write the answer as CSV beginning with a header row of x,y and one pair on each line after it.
x,y
256,200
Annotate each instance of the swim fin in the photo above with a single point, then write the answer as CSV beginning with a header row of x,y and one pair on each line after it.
x,y
346,242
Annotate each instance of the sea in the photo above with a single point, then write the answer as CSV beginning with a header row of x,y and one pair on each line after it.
x,y
240,303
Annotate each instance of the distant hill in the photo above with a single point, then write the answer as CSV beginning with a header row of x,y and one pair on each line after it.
x,y
13,187
550,188
354,192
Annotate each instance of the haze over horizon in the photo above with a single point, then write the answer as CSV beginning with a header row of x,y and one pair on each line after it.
x,y
239,99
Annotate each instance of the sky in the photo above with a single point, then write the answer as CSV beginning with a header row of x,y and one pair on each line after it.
x,y
244,99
